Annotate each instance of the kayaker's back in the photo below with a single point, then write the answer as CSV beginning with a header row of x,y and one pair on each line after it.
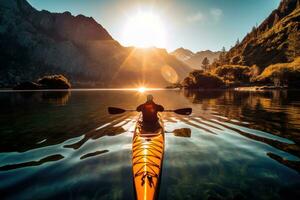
x,y
149,111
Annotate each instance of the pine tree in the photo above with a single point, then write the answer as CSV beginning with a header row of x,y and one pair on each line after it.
x,y
222,55
237,42
205,64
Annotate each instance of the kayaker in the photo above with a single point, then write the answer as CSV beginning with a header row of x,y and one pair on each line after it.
x,y
149,110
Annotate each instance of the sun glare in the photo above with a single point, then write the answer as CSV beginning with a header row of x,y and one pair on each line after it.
x,y
142,89
144,29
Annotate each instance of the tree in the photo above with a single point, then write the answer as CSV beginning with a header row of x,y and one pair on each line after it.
x,y
205,64
222,55
237,42
254,72
233,73
198,79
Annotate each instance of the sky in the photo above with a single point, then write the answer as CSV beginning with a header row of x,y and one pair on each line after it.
x,y
193,24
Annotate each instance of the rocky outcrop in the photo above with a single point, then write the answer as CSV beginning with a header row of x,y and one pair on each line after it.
x,y
194,60
54,82
46,82
34,43
275,40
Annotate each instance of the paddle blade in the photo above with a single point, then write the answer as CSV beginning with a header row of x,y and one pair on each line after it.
x,y
113,110
183,111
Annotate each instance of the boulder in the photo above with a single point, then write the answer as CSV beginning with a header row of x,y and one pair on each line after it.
x,y
54,82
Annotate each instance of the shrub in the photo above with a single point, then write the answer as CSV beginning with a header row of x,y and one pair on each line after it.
x,y
199,80
282,74
233,73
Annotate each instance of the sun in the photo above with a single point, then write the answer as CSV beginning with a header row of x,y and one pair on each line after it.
x,y
141,89
144,29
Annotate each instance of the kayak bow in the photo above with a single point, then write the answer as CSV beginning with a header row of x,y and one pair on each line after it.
x,y
147,158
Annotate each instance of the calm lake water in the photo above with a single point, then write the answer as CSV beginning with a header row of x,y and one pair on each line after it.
x,y
64,145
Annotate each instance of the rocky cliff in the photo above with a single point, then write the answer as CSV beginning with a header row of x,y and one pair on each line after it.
x,y
36,43
275,40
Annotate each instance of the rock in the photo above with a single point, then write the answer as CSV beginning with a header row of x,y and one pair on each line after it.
x,y
46,82
54,82
28,86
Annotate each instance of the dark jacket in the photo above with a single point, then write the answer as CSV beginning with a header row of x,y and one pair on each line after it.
x,y
149,110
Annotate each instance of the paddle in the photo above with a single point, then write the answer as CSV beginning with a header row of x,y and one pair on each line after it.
x,y
181,111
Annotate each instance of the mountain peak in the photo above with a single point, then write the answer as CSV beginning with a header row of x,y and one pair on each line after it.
x,y
17,5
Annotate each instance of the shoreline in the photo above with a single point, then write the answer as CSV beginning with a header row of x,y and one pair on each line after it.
x,y
82,89
261,88
243,88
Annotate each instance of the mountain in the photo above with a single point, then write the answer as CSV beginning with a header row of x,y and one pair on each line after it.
x,y
183,54
194,60
37,43
275,40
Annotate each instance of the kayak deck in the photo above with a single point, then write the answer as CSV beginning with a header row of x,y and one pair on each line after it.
x,y
147,157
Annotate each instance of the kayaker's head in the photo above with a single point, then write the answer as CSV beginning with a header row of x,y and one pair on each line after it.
x,y
149,97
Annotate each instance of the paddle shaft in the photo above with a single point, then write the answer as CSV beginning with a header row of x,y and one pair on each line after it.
x,y
162,111
182,111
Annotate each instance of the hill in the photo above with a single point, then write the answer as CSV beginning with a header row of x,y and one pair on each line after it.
x,y
38,43
275,40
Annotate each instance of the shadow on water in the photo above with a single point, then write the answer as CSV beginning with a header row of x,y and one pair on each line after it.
x,y
96,153
108,129
47,159
291,164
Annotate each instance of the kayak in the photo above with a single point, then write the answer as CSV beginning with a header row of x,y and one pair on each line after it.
x,y
147,158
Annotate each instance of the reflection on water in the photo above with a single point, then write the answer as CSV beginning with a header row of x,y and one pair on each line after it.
x,y
57,98
182,132
235,145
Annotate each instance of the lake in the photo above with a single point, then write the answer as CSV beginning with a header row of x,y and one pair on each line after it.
x,y
64,144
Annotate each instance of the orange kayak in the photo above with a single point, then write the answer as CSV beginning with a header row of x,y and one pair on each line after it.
x,y
147,158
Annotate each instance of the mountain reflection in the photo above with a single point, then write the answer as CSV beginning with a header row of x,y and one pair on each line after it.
x,y
56,97
268,111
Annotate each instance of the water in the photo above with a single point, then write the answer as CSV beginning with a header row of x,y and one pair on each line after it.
x,y
243,145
